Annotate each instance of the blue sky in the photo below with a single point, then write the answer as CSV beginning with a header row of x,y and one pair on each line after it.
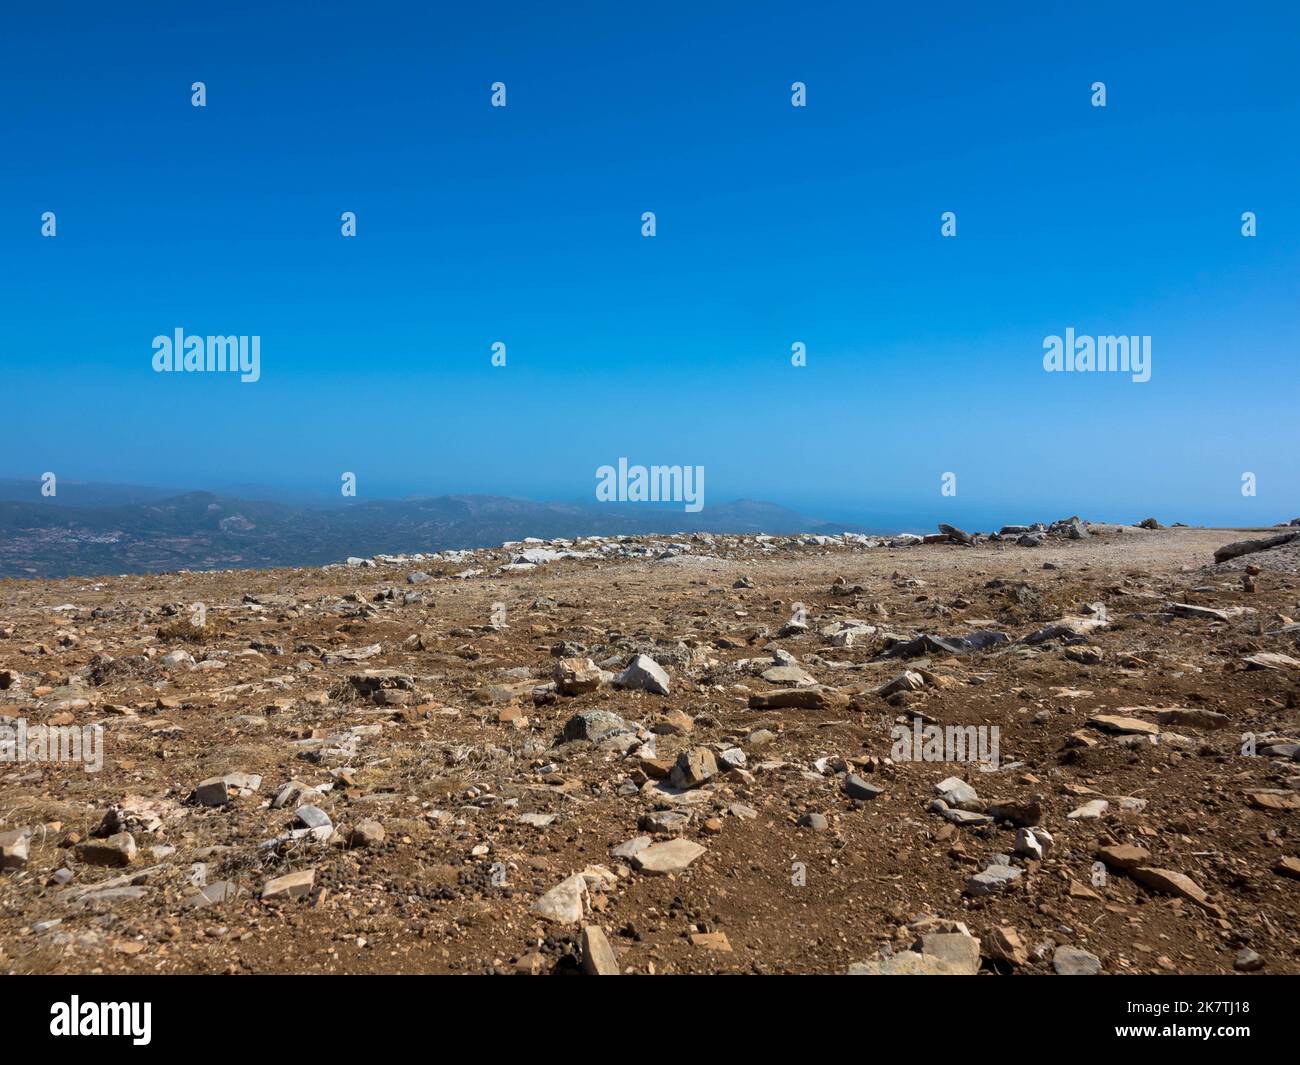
x,y
776,224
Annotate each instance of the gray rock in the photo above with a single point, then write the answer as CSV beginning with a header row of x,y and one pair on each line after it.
x,y
313,817
665,821
211,894
966,817
789,676
565,903
1093,810
993,880
289,886
645,674
956,792
1033,842
1074,961
955,534
733,758
596,726
675,856
631,847
217,791
857,788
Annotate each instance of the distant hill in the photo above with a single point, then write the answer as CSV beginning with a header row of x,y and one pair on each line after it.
x,y
106,529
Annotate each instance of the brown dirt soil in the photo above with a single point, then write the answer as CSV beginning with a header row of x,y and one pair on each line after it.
x,y
447,779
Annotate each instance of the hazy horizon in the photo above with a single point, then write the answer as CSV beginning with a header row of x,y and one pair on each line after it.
x,y
877,518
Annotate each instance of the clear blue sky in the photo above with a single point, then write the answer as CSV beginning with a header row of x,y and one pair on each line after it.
x,y
775,224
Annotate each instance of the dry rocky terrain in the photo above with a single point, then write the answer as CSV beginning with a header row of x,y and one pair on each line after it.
x,y
666,755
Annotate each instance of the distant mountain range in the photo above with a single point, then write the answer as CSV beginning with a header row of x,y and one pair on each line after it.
x,y
97,529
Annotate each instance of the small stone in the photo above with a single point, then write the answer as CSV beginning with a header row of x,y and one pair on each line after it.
x,y
664,821
1033,843
814,698
904,963
313,817
956,792
596,726
857,788
1192,717
564,903
711,941
1023,813
1247,961
1005,944
733,758
217,791
631,847
576,676
1288,867
993,880
1125,726
1124,857
531,964
1169,882
958,949
13,849
117,850
211,894
907,681
366,834
795,676
289,886
965,817
645,674
674,723
1073,961
693,768
1271,660
815,821
598,957
664,858
1089,811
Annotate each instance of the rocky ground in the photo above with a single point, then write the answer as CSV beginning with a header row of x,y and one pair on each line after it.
x,y
672,755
